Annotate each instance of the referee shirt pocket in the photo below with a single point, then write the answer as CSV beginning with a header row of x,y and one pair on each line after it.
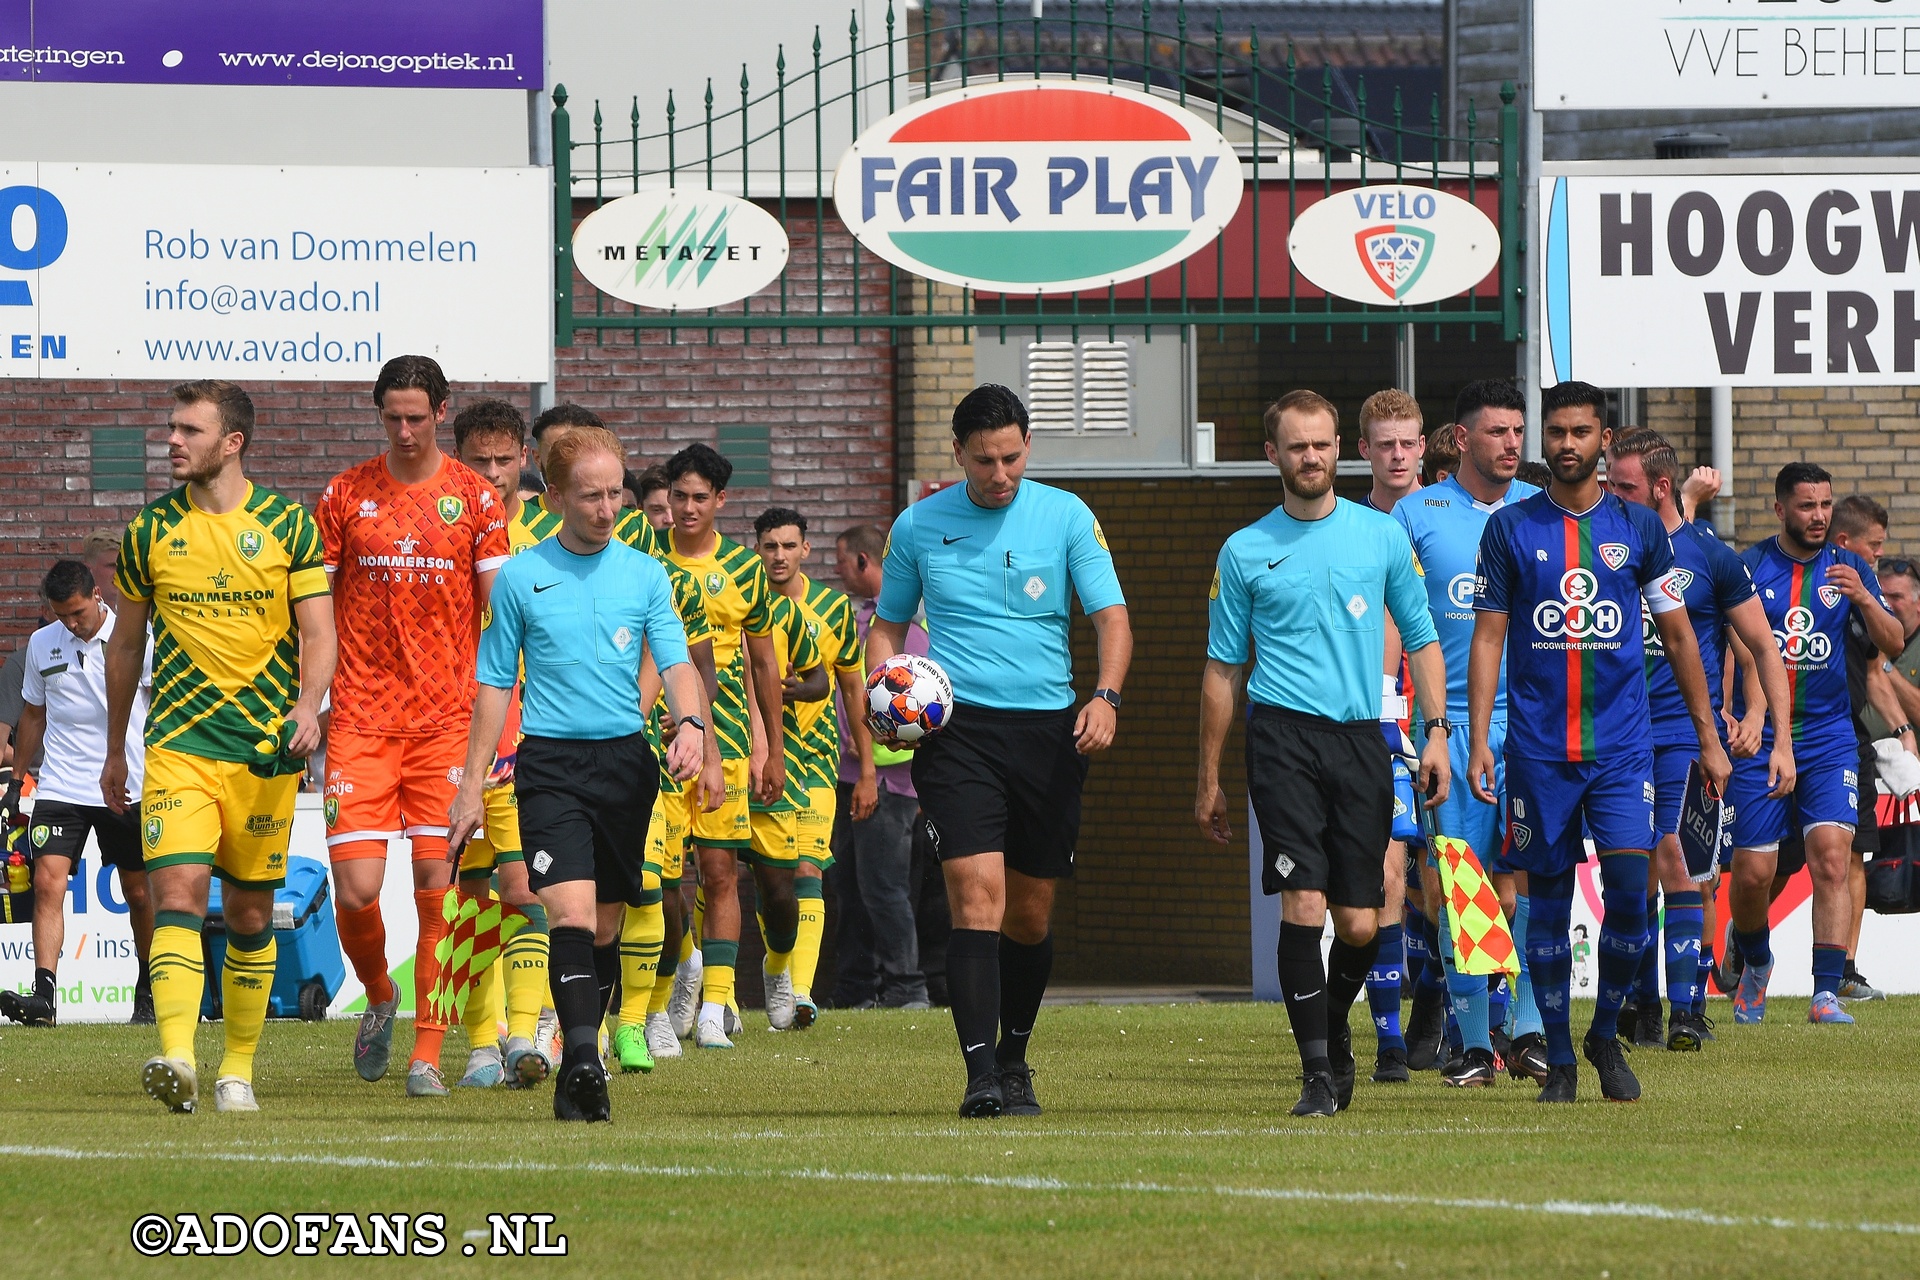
x,y
552,638
617,632
1035,588
1286,603
1356,598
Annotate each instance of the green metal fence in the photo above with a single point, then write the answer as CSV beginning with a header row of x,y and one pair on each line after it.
x,y
774,139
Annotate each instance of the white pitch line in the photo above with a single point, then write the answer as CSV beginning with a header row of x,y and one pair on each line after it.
x,y
1306,1195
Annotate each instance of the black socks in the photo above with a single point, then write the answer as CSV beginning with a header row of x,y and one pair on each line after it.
x,y
573,978
973,989
1303,981
1024,971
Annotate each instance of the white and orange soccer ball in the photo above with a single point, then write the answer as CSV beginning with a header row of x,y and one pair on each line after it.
x,y
908,698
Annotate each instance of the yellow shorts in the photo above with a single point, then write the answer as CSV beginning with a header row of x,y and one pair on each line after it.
x,y
667,837
813,833
726,827
499,840
774,842
216,813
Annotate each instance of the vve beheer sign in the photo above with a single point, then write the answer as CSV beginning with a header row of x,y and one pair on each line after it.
x,y
1394,245
1038,186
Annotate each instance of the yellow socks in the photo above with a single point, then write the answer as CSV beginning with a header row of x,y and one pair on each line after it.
x,y
813,927
179,981
716,980
482,1014
641,935
244,987
525,959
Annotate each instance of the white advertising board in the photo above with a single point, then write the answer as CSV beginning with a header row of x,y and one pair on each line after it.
x,y
1731,279
1794,54
680,249
1394,245
254,271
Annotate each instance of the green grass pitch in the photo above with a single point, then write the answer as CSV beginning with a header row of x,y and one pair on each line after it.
x,y
1166,1150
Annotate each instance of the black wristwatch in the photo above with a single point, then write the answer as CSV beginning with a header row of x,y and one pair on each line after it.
x,y
1441,723
1108,696
695,721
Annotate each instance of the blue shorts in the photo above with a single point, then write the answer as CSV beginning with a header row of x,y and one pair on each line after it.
x,y
1465,816
1549,800
1670,765
1828,792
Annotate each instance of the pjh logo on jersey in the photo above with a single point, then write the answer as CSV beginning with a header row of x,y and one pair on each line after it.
x,y
1038,186
1800,644
1460,590
1829,595
1612,554
1579,613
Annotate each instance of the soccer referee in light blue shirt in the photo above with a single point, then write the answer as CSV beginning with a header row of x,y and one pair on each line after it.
x,y
1306,591
997,561
579,611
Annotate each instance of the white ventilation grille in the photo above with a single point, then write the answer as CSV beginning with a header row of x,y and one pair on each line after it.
x,y
1051,386
1083,387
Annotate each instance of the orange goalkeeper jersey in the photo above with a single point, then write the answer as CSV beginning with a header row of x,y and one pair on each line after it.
x,y
404,560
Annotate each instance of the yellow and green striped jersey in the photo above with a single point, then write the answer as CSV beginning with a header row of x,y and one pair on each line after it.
x,y
226,648
830,621
794,651
531,525
733,583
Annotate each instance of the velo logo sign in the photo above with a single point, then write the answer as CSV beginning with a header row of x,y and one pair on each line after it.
x,y
680,250
1038,186
1394,245
1579,613
1800,645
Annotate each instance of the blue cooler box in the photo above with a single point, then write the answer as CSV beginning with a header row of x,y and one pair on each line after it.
x,y
310,969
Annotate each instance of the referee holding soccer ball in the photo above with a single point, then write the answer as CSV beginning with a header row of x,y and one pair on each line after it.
x,y
995,561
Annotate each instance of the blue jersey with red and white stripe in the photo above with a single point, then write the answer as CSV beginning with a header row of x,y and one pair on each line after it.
x,y
1809,617
1571,585
1712,579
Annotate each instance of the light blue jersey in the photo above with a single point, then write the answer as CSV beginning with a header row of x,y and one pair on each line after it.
x,y
1307,597
579,622
1445,522
997,583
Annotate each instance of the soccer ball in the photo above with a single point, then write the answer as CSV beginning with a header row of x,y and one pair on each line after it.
x,y
908,698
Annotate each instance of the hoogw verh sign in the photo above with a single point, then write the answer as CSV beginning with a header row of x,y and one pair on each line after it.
x,y
1394,245
680,249
1038,186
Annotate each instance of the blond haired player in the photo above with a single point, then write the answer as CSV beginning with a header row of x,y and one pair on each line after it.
x,y
231,577
413,541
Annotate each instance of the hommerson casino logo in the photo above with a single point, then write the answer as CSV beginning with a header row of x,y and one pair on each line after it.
x,y
1038,186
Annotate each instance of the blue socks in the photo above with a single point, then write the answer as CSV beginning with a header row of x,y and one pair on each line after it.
x,y
1423,948
1685,912
1526,1014
1646,981
1829,969
1467,993
1550,958
1383,986
1499,1000
1623,935
1756,947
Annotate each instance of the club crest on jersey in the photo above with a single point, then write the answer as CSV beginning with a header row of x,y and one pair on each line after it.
x,y
154,828
41,834
451,508
1612,554
249,542
1522,836
714,583
1829,596
1683,578
331,808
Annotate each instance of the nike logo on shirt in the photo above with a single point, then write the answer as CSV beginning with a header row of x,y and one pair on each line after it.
x,y
1275,564
947,542
550,586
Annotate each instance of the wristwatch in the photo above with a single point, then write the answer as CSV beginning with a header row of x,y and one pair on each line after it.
x,y
1442,724
1108,696
695,721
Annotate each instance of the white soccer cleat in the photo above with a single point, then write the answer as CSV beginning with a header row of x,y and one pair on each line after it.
x,y
171,1082
684,1004
733,1026
779,999
485,1068
546,1035
711,1033
231,1093
661,1042
526,1066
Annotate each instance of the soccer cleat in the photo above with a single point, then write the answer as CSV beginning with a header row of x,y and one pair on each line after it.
x,y
780,1002
1855,987
1648,1030
1502,1046
1317,1097
1426,1027
1750,998
630,1046
231,1093
983,1099
34,1011
711,1033
1340,1054
1826,1010
373,1043
142,1008
1527,1058
423,1081
1732,963
1016,1091
485,1069
171,1082
526,1065
546,1035
684,1005
1474,1069
582,1094
805,1011
1562,1083
1390,1067
1687,1031
661,1042
1609,1058
732,1026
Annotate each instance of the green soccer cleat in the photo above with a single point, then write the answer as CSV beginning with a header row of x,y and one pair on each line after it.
x,y
630,1044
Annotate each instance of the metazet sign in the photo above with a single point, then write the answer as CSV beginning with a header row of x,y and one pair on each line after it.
x,y
1695,55
1394,245
1732,279
680,249
1038,186
246,272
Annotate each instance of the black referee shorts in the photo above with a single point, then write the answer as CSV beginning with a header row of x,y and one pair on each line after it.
x,y
1322,793
584,809
1006,781
61,829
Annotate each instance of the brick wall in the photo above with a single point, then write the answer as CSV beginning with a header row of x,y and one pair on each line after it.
x,y
934,370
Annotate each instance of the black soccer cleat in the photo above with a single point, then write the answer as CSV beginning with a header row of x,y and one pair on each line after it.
x,y
1687,1031
983,1100
1609,1058
142,1008
1016,1091
1390,1066
582,1094
1316,1095
1340,1054
1426,1028
33,1011
1527,1058
1649,1030
1562,1084
1473,1069
1502,1046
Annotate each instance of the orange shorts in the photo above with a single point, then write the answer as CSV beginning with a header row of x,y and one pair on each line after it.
x,y
379,789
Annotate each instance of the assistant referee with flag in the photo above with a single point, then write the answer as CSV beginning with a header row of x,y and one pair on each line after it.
x,y
1308,587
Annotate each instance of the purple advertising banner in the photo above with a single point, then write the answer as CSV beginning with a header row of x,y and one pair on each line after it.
x,y
412,44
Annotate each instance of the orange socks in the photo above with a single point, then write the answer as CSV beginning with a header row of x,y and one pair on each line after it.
x,y
427,1034
363,936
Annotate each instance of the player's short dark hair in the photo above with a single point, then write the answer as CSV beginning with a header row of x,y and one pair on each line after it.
x,y
988,407
1487,393
1534,472
702,460
654,477
779,518
1656,455
411,373
565,415
1300,401
1795,474
531,481
867,540
1856,513
1442,454
489,417
1899,567
234,406
630,481
67,579
1574,395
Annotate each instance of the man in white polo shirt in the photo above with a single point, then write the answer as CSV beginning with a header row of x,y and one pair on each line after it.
x,y
65,693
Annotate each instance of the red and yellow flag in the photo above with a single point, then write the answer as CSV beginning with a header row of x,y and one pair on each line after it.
x,y
1482,943
479,926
